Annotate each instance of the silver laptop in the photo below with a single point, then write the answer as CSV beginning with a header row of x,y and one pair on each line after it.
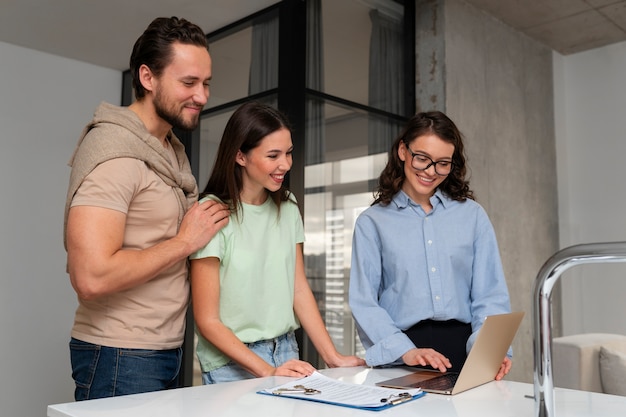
x,y
481,366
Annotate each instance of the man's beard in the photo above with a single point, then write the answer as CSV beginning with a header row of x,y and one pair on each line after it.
x,y
171,116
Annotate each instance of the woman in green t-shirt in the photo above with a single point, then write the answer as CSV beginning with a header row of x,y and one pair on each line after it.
x,y
249,288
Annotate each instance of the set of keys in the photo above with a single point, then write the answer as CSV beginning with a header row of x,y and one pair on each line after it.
x,y
297,389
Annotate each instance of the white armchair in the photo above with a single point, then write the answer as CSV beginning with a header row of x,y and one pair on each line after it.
x,y
590,362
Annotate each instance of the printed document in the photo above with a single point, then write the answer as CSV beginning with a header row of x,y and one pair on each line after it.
x,y
328,390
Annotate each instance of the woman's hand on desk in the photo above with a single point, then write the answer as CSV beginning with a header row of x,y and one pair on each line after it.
x,y
294,367
340,360
301,369
426,356
504,368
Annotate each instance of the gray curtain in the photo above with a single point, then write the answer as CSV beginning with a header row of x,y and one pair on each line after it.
x,y
386,83
315,121
264,56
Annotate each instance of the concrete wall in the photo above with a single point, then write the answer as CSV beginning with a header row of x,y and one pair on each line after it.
x,y
44,103
498,89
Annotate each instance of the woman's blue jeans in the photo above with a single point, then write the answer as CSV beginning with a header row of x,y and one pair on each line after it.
x,y
101,371
274,351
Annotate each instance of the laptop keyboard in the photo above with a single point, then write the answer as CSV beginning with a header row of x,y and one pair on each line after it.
x,y
441,383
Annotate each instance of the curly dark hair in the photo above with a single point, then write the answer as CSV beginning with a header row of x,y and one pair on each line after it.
x,y
435,122
154,46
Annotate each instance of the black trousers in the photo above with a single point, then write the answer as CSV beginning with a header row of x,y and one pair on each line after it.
x,y
446,337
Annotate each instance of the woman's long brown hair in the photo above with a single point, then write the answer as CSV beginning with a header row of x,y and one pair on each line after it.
x,y
247,126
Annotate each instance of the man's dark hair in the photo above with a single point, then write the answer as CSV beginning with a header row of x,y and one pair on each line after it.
x,y
154,46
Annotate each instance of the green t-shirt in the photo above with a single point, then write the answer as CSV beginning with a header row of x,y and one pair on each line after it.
x,y
257,252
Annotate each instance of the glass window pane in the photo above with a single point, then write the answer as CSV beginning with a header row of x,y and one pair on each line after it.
x,y
230,67
211,130
245,61
339,180
358,53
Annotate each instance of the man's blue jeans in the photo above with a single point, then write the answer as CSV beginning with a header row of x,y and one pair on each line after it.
x,y
101,371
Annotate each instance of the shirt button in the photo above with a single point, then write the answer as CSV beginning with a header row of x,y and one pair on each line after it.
x,y
437,298
433,269
430,242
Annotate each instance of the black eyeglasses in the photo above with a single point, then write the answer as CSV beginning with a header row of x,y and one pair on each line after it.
x,y
422,162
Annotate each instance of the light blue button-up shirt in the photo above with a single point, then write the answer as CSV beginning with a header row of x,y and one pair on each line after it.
x,y
409,266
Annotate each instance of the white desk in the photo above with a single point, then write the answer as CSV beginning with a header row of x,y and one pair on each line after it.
x,y
238,399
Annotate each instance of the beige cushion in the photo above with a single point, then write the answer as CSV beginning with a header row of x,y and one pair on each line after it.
x,y
613,368
576,360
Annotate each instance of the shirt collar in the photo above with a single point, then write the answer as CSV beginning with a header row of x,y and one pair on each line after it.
x,y
402,200
440,197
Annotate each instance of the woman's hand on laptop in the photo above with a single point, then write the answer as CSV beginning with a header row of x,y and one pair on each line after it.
x,y
427,356
504,368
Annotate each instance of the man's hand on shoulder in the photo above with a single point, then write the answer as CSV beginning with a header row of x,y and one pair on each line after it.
x,y
201,222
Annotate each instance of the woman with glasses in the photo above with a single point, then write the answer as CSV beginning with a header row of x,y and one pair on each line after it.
x,y
426,268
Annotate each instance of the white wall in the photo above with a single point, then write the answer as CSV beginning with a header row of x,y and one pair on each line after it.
x,y
590,115
44,103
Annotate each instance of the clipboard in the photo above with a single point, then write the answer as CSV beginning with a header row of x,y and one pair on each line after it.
x,y
322,389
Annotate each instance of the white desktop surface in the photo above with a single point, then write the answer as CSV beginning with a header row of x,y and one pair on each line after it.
x,y
238,399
